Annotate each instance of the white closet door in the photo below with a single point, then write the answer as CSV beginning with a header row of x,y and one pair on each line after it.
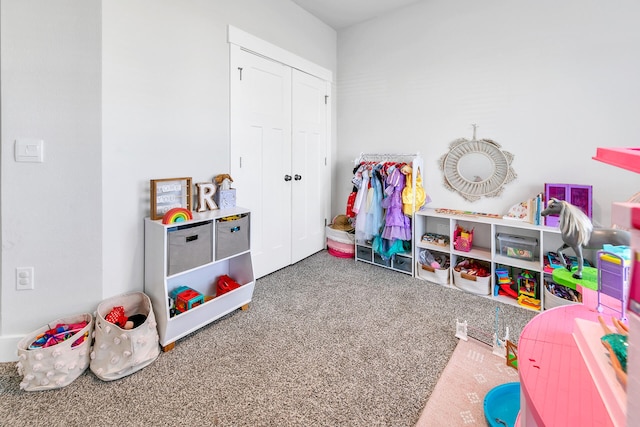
x,y
261,154
311,185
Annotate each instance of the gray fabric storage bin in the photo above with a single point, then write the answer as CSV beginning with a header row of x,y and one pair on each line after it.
x,y
232,237
189,246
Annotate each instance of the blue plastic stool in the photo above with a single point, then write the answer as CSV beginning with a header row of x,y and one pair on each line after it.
x,y
502,404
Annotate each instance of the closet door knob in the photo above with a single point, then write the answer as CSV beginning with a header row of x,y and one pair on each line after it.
x,y
287,177
297,177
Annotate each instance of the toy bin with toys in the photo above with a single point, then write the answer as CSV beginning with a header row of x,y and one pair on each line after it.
x,y
519,247
556,295
56,354
473,276
433,267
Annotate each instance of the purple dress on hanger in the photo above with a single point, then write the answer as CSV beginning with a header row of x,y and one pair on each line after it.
x,y
397,224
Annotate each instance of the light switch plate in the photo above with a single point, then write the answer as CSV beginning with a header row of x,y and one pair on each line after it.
x,y
29,150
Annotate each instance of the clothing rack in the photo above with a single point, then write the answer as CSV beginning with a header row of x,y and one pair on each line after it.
x,y
403,262
382,157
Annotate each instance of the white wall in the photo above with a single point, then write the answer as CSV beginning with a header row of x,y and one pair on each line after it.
x,y
550,81
51,212
158,72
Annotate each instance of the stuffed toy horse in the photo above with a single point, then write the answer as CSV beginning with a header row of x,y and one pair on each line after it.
x,y
577,232
223,181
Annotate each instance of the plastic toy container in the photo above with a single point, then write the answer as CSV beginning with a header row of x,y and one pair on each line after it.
x,y
519,247
502,404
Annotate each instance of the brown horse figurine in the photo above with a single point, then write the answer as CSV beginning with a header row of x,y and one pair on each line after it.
x,y
577,232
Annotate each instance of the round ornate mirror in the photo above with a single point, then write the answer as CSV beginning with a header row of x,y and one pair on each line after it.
x,y
476,168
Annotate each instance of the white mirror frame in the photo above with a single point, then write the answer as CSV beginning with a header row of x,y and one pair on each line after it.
x,y
493,185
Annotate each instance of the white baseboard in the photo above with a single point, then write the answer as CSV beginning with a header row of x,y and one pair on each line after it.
x,y
9,348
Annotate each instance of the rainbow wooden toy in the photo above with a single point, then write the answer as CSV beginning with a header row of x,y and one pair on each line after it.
x,y
177,215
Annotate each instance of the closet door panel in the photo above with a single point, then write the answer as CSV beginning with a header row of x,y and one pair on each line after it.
x,y
311,185
261,154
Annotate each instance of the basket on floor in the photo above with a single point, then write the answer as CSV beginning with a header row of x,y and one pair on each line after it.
x,y
59,361
118,352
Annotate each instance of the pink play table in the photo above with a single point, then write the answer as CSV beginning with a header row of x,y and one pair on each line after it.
x,y
557,388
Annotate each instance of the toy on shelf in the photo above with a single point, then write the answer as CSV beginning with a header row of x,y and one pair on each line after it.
x,y
527,285
436,239
504,283
579,196
577,232
226,284
185,299
225,197
177,215
462,239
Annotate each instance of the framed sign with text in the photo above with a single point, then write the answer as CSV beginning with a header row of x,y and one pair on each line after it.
x,y
169,193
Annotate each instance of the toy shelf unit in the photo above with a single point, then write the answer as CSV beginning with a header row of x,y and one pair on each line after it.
x,y
195,254
365,250
506,252
578,195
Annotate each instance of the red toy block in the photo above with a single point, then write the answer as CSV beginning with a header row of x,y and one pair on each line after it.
x,y
188,299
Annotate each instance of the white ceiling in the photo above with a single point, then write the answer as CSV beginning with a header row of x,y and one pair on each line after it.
x,y
344,13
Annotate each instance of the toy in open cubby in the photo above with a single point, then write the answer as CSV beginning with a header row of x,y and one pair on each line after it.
x,y
462,239
185,298
528,290
504,282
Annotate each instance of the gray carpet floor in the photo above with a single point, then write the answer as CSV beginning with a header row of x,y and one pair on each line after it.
x,y
325,342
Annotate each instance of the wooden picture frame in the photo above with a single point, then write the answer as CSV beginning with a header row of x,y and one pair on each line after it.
x,y
169,193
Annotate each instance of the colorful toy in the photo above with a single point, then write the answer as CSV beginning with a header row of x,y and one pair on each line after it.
x,y
177,215
527,285
226,284
58,334
577,232
462,239
188,299
504,284
118,317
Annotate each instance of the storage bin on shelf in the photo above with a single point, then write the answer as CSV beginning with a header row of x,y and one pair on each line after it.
x,y
473,276
519,247
433,268
556,295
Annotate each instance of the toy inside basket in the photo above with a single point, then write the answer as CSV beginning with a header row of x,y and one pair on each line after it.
x,y
473,276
